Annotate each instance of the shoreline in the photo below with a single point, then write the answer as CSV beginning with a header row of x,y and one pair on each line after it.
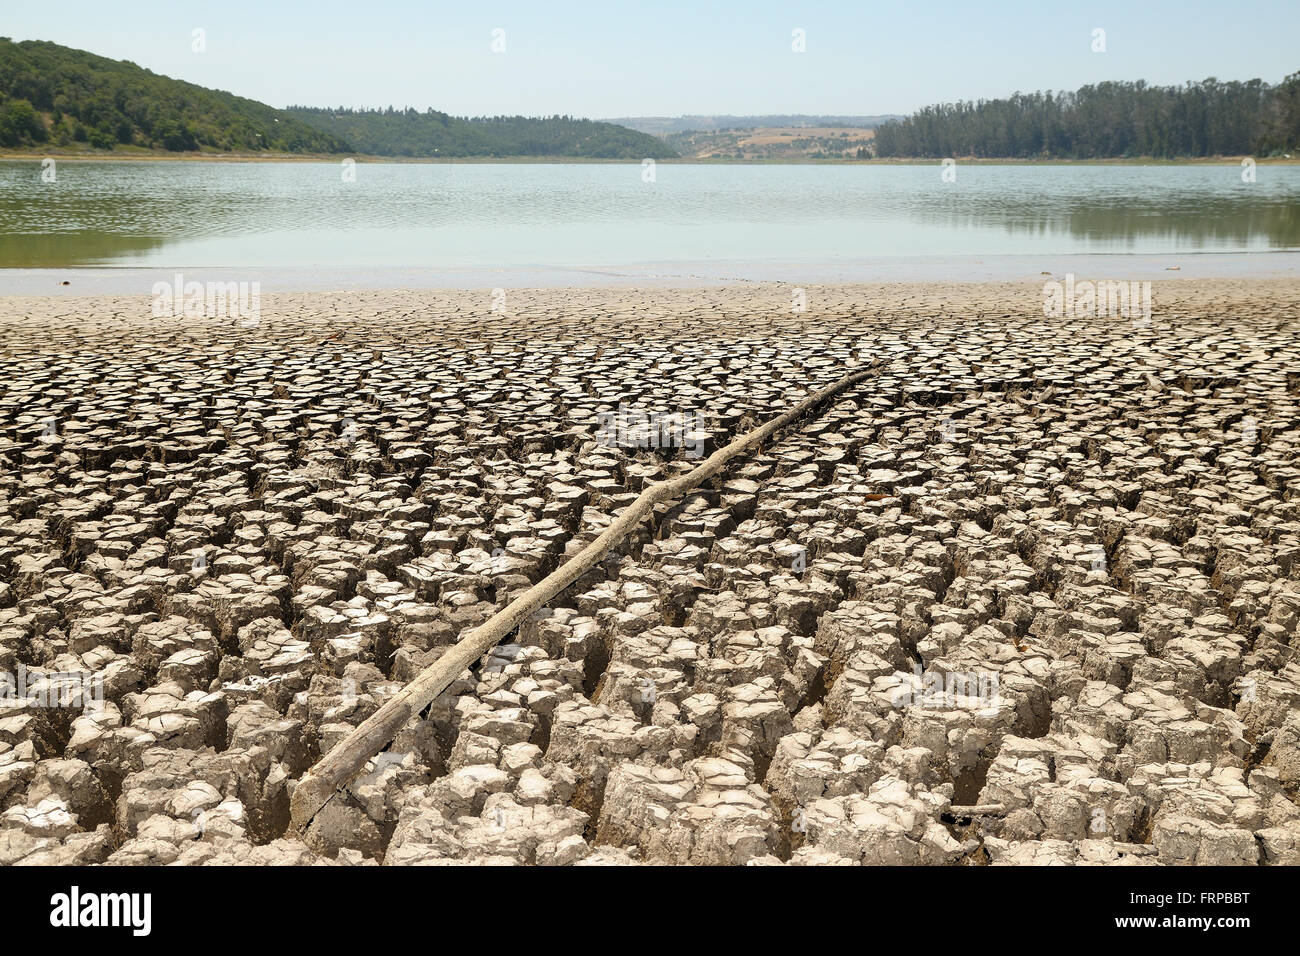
x,y
381,312
30,156
904,270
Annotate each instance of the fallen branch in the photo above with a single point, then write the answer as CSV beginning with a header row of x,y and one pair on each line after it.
x,y
350,755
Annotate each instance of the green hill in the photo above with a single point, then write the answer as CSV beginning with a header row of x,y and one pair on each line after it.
x,y
409,132
54,96
51,94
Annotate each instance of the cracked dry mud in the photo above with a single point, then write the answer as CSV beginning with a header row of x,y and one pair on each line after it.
x,y
252,535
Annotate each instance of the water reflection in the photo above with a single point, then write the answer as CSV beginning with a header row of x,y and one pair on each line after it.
x,y
169,214
67,249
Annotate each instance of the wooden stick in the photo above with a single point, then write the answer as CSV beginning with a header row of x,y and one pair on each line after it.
x,y
351,754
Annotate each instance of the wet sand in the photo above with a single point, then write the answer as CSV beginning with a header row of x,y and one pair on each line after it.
x,y
606,306
675,275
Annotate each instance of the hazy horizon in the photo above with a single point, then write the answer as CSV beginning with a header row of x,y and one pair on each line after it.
x,y
667,59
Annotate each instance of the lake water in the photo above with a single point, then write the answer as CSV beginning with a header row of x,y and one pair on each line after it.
x,y
165,214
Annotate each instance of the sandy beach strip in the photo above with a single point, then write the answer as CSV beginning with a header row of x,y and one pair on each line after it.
x,y
605,309
651,278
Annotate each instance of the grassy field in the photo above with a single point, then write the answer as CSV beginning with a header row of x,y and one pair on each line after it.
x,y
767,143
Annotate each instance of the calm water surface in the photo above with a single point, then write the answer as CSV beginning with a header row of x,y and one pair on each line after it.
x,y
184,214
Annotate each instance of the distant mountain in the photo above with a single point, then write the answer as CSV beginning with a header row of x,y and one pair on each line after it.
x,y
664,125
52,94
409,132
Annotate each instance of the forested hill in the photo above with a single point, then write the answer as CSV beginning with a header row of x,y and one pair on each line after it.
x,y
409,132
1109,120
55,95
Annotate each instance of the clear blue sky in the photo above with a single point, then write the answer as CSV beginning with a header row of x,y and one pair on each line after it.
x,y
668,57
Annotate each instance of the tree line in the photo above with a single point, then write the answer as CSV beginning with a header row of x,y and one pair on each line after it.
x,y
408,132
1107,121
